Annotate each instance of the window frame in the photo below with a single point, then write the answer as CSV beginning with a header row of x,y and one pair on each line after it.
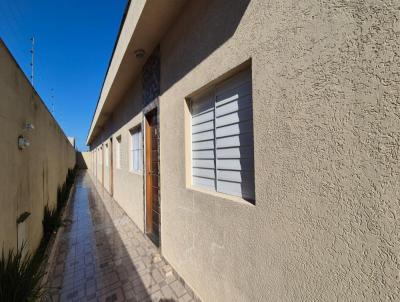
x,y
139,150
101,155
212,89
118,141
106,155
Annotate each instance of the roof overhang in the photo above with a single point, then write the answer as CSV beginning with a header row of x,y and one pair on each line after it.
x,y
145,24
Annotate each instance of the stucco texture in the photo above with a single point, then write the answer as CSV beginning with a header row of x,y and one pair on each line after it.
x,y
29,178
325,224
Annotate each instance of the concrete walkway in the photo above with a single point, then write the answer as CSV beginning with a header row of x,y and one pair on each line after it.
x,y
101,255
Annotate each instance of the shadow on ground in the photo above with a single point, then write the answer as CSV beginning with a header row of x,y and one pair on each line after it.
x,y
103,256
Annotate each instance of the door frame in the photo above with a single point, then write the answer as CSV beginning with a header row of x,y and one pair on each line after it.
x,y
111,167
148,200
148,192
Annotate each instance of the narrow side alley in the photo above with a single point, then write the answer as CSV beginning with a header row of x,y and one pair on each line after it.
x,y
101,255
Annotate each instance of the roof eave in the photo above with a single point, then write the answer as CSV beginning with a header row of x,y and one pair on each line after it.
x,y
144,24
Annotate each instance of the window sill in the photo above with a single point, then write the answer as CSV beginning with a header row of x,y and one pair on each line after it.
x,y
136,172
222,195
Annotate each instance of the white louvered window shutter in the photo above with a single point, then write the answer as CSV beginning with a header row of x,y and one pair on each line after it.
x,y
131,151
118,152
234,137
106,155
222,138
140,150
203,142
137,150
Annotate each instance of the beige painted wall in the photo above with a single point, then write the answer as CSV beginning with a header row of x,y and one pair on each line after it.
x,y
28,178
128,185
326,126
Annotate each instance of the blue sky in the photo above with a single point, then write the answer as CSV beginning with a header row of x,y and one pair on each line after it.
x,y
73,44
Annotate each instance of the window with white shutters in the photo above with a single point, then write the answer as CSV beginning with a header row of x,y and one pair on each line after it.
x,y
118,152
106,155
203,141
222,138
136,150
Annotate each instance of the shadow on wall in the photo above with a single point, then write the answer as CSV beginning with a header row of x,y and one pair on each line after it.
x,y
189,30
131,105
80,161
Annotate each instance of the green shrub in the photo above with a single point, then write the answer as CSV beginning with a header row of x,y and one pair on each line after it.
x,y
70,178
62,197
51,221
59,197
20,277
52,218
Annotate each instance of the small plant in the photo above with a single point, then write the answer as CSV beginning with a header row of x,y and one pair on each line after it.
x,y
59,198
62,196
52,217
51,221
20,277
70,177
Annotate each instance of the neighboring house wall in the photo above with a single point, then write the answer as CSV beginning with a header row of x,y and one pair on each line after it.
x,y
29,178
326,128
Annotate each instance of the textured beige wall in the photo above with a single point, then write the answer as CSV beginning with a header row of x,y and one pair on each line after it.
x,y
326,127
28,178
128,186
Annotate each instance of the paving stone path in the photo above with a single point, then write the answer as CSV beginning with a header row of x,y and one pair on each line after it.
x,y
101,255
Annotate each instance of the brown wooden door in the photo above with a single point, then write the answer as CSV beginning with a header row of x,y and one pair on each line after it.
x,y
152,178
111,168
